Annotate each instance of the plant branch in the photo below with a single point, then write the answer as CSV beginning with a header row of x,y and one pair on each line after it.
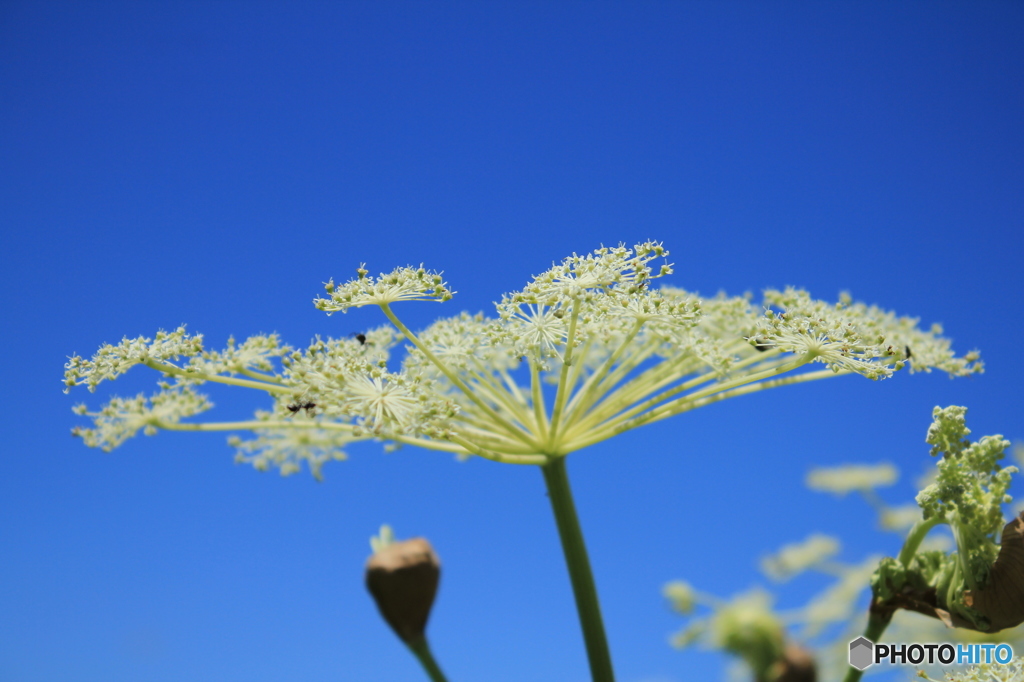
x,y
456,381
174,370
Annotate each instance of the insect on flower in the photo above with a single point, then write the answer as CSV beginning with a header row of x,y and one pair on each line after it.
x,y
307,406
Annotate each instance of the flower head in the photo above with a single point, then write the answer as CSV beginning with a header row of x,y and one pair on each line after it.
x,y
255,353
745,626
401,284
110,361
122,418
971,484
854,337
287,449
587,350
620,269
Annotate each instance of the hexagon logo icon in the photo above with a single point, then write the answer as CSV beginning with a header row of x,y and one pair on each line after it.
x,y
862,652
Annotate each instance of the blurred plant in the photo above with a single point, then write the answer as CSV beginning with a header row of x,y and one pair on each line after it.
x,y
750,628
746,627
980,586
965,493
587,350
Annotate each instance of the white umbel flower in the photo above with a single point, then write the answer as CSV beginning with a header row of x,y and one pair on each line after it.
x,y
401,284
585,351
110,361
122,418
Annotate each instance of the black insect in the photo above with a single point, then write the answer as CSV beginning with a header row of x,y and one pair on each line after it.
x,y
909,355
307,406
360,337
761,346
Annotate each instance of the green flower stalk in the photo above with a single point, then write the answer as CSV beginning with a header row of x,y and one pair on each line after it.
x,y
587,350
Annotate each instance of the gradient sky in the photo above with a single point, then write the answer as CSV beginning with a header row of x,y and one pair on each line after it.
x,y
214,163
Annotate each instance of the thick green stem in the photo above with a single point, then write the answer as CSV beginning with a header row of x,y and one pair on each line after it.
x,y
421,650
915,537
582,578
878,621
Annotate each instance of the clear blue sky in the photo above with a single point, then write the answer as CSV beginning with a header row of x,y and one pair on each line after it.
x,y
213,163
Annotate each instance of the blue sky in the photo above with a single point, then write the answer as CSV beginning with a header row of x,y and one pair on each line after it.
x,y
214,163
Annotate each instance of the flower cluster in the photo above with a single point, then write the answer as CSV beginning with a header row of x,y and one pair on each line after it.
x,y
767,640
110,361
606,269
856,337
255,354
586,350
287,449
971,485
122,418
401,284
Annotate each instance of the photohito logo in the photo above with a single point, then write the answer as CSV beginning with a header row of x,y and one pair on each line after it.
x,y
864,653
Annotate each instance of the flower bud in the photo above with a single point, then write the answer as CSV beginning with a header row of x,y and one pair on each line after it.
x,y
403,577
